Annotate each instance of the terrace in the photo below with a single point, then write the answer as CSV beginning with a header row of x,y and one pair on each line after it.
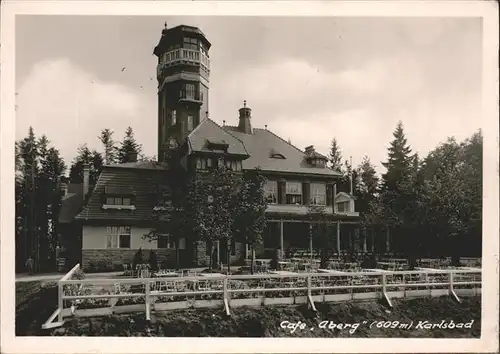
x,y
144,290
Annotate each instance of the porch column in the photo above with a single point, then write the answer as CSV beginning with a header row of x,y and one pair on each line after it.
x,y
310,240
218,253
356,240
373,240
281,240
334,198
387,241
365,235
338,237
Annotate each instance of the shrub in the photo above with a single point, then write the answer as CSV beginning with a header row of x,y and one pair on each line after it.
x,y
153,262
79,275
138,259
104,265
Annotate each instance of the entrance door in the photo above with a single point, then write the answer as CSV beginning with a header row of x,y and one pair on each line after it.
x,y
223,251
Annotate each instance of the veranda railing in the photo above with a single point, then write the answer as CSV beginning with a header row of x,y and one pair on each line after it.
x,y
227,291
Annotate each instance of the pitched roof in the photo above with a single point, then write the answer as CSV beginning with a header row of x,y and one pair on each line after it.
x,y
263,143
140,181
143,165
208,132
71,203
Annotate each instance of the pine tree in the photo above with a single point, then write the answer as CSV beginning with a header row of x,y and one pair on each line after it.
x,y
128,147
85,156
398,161
110,149
38,171
335,156
29,155
369,181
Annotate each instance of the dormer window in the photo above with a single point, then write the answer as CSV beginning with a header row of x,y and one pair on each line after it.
x,y
117,201
343,207
276,155
217,145
117,198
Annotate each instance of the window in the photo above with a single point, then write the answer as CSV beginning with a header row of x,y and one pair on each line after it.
x,y
190,43
228,164
190,123
220,162
190,91
118,237
318,193
271,192
236,165
293,193
174,117
343,206
112,202
203,163
233,248
165,241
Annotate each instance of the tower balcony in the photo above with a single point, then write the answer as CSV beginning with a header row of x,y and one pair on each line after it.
x,y
184,56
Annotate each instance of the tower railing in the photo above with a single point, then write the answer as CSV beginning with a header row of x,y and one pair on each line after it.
x,y
184,55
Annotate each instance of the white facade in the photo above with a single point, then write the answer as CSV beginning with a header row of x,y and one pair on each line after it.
x,y
95,237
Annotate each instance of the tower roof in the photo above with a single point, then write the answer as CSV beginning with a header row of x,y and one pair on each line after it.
x,y
178,32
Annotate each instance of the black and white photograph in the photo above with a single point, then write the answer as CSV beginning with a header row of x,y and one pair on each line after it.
x,y
183,170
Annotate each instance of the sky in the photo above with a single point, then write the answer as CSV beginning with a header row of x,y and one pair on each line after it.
x,y
308,79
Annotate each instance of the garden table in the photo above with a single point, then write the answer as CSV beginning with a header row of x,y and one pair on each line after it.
x,y
165,275
212,274
283,272
331,271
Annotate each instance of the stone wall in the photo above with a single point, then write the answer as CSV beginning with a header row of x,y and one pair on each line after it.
x,y
113,259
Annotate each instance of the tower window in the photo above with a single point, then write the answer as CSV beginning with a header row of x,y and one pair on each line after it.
x,y
190,43
190,123
174,117
190,91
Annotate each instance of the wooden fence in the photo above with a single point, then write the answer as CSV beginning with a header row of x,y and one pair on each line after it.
x,y
95,297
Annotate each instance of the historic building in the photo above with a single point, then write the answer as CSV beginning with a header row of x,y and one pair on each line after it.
x,y
115,214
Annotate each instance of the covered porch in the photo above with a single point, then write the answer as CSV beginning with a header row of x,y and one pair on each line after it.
x,y
296,237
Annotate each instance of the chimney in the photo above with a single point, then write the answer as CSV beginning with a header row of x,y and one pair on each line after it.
x,y
245,125
132,156
86,177
64,188
309,149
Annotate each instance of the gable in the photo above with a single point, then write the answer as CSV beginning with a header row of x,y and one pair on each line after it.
x,y
137,182
209,137
269,152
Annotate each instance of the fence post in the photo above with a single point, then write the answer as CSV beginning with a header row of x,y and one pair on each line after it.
x,y
60,302
384,290
148,299
226,297
309,293
452,291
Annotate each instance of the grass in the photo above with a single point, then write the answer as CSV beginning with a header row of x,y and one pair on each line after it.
x,y
265,322
35,302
